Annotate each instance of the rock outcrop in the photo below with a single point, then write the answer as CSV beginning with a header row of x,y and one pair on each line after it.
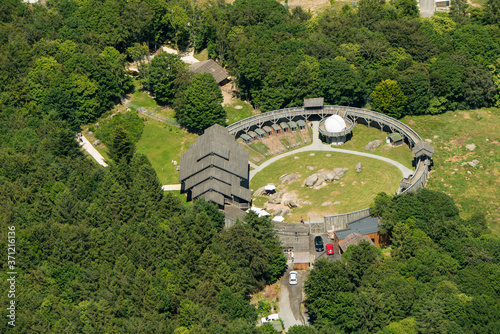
x,y
311,180
373,145
358,167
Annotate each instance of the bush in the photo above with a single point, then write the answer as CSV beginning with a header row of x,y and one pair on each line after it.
x,y
129,121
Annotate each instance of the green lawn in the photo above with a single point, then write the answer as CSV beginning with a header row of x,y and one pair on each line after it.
x,y
376,175
162,143
141,98
362,135
202,55
473,189
238,110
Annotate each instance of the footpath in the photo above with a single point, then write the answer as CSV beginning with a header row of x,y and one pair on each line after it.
x,y
317,145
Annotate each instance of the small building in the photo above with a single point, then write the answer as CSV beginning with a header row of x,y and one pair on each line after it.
x,y
210,66
252,135
395,139
284,126
276,128
268,130
301,260
442,4
216,167
260,133
292,125
352,239
423,150
246,138
232,214
301,124
367,227
314,103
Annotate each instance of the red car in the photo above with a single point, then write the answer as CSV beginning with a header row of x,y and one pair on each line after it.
x,y
329,249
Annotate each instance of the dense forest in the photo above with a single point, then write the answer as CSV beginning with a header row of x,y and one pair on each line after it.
x,y
104,250
440,275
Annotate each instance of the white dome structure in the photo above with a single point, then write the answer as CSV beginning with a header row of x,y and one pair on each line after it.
x,y
335,123
335,129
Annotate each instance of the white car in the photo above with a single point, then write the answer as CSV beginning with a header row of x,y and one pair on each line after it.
x,y
292,279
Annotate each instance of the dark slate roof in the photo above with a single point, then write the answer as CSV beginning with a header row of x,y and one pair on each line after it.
x,y
245,137
314,102
352,239
423,147
395,136
276,127
292,124
214,166
363,226
215,197
301,123
233,212
212,149
210,66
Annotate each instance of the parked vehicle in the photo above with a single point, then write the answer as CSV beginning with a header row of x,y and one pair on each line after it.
x,y
330,249
292,279
318,243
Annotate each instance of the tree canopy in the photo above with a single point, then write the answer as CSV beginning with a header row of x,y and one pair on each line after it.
x,y
200,106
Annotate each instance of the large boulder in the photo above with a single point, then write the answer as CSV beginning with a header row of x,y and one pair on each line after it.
x,y
358,167
329,177
289,200
311,180
289,178
339,173
259,192
276,198
373,145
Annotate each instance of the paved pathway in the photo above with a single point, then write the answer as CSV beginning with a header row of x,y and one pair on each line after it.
x,y
317,145
426,8
171,187
291,297
87,146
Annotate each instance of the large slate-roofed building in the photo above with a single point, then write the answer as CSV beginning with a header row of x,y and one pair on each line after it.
x,y
216,167
209,66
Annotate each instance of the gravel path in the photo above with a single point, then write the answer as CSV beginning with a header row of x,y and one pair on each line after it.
x,y
87,146
171,187
317,145
291,299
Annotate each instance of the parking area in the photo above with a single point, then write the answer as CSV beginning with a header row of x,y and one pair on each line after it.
x,y
317,255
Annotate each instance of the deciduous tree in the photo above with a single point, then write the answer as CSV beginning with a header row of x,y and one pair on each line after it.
x,y
388,99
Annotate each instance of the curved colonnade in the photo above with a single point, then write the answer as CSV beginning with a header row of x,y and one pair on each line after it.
x,y
356,115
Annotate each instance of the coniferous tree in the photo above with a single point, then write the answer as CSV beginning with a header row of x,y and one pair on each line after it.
x,y
122,148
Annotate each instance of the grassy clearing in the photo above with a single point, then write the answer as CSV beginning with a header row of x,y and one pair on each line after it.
x,y
141,98
473,189
202,55
377,176
362,135
238,110
162,143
